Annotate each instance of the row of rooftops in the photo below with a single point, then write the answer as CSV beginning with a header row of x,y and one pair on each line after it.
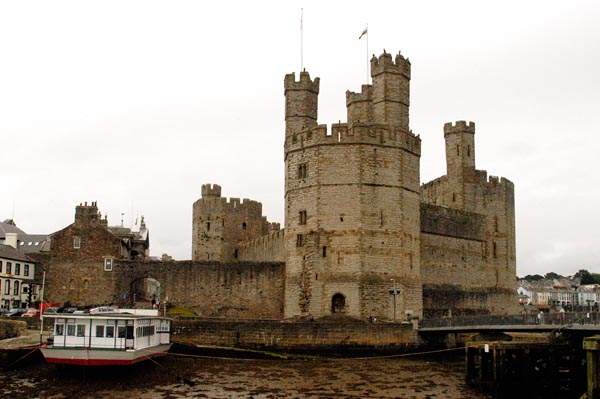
x,y
561,284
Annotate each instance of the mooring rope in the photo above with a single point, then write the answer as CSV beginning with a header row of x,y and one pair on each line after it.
x,y
21,358
322,357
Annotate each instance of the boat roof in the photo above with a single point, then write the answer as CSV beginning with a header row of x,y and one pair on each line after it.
x,y
104,316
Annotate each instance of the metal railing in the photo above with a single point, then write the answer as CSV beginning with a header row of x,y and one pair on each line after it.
x,y
557,319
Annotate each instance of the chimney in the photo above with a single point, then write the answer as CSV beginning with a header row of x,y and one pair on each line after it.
x,y
11,240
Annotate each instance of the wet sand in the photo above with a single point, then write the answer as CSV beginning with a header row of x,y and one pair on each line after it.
x,y
174,377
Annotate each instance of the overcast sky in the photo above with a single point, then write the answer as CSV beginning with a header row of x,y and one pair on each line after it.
x,y
136,104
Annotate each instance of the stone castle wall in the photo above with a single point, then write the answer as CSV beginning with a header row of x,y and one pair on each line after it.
x,y
269,248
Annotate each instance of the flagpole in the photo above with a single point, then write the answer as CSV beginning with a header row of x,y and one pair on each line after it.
x,y
301,39
367,53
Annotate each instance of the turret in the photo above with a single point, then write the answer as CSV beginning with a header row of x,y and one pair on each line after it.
x,y
211,191
460,149
359,106
301,102
391,90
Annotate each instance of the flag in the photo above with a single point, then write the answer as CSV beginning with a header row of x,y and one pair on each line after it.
x,y
364,32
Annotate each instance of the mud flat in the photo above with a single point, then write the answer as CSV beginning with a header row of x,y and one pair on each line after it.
x,y
209,377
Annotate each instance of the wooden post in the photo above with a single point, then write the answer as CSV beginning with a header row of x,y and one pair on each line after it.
x,y
592,347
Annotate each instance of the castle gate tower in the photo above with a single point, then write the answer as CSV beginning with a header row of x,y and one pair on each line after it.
x,y
352,220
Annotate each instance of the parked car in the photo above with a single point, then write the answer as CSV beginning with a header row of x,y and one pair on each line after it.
x,y
31,312
15,312
51,310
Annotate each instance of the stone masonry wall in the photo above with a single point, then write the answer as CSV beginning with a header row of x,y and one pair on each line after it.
x,y
294,336
242,290
268,248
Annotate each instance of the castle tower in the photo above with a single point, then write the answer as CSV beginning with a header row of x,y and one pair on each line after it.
x,y
352,207
218,225
460,160
301,103
391,90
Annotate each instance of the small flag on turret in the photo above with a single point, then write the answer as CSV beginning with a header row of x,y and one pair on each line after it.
x,y
364,32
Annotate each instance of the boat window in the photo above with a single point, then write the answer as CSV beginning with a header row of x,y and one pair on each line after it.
x,y
129,332
110,331
60,329
100,331
71,330
121,332
80,330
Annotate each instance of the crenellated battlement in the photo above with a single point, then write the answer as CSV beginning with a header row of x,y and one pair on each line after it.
x,y
359,134
384,63
268,248
305,83
365,95
459,127
211,190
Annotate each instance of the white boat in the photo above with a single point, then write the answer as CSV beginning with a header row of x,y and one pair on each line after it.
x,y
106,337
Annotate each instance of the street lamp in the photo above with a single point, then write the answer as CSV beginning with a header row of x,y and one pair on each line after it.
x,y
394,292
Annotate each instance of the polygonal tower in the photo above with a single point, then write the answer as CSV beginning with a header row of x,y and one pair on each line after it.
x,y
219,225
352,201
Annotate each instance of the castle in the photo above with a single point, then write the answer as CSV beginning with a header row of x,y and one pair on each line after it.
x,y
362,237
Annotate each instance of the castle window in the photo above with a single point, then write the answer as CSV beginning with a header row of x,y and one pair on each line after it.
x,y
302,171
468,150
208,226
244,225
341,218
108,264
86,284
235,253
324,252
494,250
223,222
76,242
453,197
302,217
72,284
457,150
299,240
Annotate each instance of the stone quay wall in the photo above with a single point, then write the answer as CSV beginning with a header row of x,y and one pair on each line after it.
x,y
293,335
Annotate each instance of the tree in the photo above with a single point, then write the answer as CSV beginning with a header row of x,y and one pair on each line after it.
x,y
533,277
552,276
587,277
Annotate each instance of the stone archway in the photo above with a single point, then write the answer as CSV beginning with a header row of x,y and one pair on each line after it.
x,y
145,292
338,303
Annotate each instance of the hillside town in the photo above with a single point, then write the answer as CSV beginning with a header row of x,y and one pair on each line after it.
x,y
554,293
